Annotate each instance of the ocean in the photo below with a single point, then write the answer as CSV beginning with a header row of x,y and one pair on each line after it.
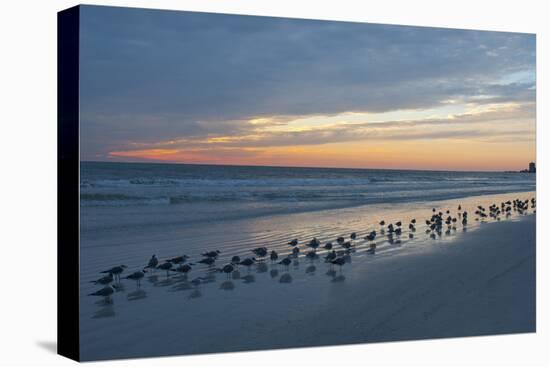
x,y
209,192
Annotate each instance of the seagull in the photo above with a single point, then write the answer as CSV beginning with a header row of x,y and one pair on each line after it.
x,y
227,269
153,262
314,243
286,261
211,254
116,271
260,251
294,242
185,268
330,256
207,260
248,262
165,266
178,259
137,276
104,292
104,280
340,261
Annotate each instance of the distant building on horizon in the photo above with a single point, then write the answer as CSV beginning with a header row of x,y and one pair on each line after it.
x,y
532,168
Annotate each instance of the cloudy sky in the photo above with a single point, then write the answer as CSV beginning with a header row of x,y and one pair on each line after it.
x,y
159,86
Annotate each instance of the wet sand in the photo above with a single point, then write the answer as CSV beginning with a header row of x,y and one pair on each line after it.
x,y
477,282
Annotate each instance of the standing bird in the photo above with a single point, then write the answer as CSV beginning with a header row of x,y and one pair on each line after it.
x,y
235,260
285,262
314,243
104,280
137,276
248,262
178,259
165,266
353,236
227,269
294,242
104,292
295,251
211,254
260,252
340,261
273,256
153,262
328,246
185,268
382,223
207,261
116,271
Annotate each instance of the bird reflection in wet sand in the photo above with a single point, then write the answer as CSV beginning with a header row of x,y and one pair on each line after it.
x,y
236,275
196,293
106,311
228,285
261,268
274,273
248,279
310,270
338,278
136,295
182,286
285,278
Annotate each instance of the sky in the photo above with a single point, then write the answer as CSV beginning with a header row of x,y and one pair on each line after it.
x,y
184,87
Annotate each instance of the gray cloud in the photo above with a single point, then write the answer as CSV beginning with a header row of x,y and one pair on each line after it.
x,y
152,75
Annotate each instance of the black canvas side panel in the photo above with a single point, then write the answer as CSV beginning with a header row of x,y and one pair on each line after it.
x,y
68,340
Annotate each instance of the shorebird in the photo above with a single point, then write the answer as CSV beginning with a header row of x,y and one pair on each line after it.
x,y
295,251
353,236
312,255
207,261
382,223
104,292
398,224
137,276
185,268
314,243
165,266
248,262
153,262
340,261
116,271
330,256
286,262
273,255
346,245
178,259
235,260
413,221
294,242
260,252
211,254
104,280
227,269
328,246
340,240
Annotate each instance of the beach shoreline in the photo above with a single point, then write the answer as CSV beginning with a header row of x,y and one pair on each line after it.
x,y
477,283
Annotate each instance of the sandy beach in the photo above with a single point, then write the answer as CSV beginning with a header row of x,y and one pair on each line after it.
x,y
474,281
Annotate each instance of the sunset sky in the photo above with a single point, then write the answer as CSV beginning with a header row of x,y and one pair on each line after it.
x,y
160,86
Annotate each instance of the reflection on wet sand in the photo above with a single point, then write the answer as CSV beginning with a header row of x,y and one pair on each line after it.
x,y
228,285
136,295
285,278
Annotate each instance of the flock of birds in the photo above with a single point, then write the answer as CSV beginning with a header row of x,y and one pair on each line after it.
x,y
337,252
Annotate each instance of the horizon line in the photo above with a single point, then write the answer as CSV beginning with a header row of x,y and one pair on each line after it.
x,y
306,167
